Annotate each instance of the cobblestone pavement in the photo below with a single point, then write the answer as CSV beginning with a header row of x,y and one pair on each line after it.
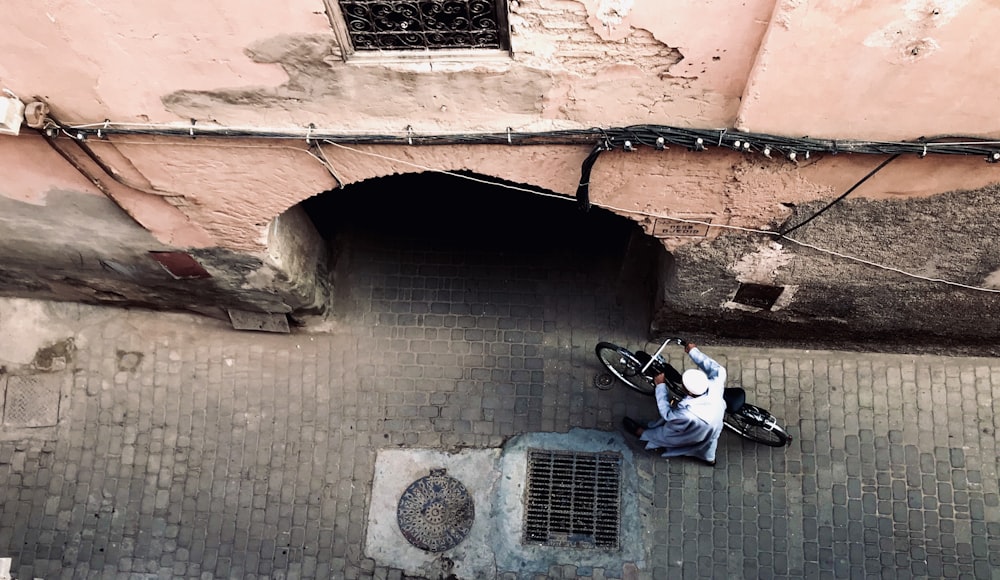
x,y
185,449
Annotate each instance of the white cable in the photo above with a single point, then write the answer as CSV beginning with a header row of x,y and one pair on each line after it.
x,y
329,166
690,221
610,207
209,130
453,174
891,269
817,248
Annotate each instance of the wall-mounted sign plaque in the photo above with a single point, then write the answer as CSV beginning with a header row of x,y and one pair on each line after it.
x,y
664,228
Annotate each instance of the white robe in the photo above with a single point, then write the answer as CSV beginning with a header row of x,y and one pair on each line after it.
x,y
692,427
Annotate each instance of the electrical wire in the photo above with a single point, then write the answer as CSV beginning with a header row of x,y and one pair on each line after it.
x,y
644,135
659,137
583,189
870,174
451,173
689,221
807,245
326,163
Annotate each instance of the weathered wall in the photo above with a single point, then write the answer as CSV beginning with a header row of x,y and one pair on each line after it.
x,y
953,236
62,238
297,250
262,263
761,65
117,59
793,67
235,190
572,64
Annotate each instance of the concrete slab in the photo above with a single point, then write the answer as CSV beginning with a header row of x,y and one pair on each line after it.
x,y
531,560
260,321
496,479
395,469
30,325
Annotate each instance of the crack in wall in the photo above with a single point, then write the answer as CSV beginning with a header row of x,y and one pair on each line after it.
x,y
319,84
549,42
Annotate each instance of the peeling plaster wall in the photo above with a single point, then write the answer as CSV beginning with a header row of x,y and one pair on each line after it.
x,y
61,238
329,93
568,68
953,236
753,192
798,67
880,70
296,249
235,190
572,64
93,61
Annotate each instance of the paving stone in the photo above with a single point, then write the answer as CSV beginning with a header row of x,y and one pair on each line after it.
x,y
245,455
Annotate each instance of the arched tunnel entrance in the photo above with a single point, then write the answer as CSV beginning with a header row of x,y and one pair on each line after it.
x,y
440,245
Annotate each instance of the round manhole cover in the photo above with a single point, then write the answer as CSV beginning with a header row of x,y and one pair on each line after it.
x,y
436,512
603,381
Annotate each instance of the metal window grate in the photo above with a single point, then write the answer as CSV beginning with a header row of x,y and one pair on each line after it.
x,y
573,499
425,24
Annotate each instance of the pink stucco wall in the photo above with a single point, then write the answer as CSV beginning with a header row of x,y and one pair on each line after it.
x,y
31,169
92,61
878,70
594,62
898,69
796,67
234,191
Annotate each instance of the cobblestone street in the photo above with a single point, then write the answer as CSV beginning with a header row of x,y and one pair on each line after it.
x,y
186,449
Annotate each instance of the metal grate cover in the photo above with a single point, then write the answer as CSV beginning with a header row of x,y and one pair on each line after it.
x,y
573,499
425,25
32,400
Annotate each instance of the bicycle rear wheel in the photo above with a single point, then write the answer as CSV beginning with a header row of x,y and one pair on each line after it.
x,y
757,425
624,365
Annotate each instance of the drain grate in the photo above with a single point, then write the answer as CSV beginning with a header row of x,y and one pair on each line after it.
x,y
573,499
32,400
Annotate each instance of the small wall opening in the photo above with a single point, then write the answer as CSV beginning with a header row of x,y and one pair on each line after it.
x,y
761,296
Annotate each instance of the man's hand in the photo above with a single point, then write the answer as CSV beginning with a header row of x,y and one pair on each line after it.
x,y
688,346
660,379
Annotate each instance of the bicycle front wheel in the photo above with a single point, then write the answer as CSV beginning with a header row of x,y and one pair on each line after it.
x,y
624,365
757,425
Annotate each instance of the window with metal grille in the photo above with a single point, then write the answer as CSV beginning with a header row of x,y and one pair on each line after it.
x,y
573,499
425,24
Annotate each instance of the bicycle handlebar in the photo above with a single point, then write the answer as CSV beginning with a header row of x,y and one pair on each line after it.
x,y
675,339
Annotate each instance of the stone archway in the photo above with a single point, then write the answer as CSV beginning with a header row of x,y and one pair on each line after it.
x,y
445,226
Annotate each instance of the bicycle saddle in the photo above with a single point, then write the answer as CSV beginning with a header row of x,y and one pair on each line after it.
x,y
735,397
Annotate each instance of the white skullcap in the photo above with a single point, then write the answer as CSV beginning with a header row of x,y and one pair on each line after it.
x,y
695,381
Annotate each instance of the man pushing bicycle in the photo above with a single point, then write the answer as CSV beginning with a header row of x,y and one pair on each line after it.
x,y
691,425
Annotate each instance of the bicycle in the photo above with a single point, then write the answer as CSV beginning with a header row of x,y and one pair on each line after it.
x,y
637,370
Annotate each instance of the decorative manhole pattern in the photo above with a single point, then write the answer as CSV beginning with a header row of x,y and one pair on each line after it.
x,y
573,499
436,512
